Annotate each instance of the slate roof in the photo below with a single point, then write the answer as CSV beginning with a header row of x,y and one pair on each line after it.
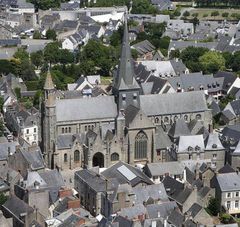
x,y
228,114
172,186
226,169
112,172
228,77
133,212
159,169
143,47
96,182
9,42
179,128
184,44
158,84
164,209
34,158
213,142
232,131
6,147
86,109
193,141
156,192
162,139
176,218
215,108
16,207
229,182
164,104
197,81
194,209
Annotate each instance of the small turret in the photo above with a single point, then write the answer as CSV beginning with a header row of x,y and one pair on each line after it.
x,y
49,85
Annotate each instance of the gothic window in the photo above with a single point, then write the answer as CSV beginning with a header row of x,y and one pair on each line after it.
x,y
185,117
166,120
69,129
198,117
66,130
76,156
65,158
115,157
62,130
141,146
156,120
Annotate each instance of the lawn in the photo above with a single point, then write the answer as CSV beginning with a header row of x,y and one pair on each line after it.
x,y
205,13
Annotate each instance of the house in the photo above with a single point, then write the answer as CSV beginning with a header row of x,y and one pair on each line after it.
x,y
144,49
21,212
161,69
192,147
27,159
163,4
74,41
157,171
40,189
66,28
180,26
181,45
199,215
227,190
231,113
114,16
197,81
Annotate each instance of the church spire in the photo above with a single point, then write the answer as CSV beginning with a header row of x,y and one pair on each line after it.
x,y
125,76
48,82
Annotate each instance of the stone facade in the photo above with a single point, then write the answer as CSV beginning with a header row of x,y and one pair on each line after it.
x,y
121,127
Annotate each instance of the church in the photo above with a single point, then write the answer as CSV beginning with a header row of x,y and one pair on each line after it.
x,y
99,131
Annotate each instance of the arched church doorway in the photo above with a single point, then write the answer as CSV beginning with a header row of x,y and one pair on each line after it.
x,y
98,160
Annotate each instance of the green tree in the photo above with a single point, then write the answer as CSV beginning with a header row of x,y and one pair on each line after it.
x,y
65,56
3,197
37,35
186,13
143,7
214,14
228,59
52,52
116,37
225,14
205,15
6,67
174,54
17,92
212,62
235,62
1,103
213,206
51,34
21,54
37,58
226,218
195,22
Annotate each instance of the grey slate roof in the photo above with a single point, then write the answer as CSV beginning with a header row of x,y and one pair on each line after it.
x,y
156,192
226,169
176,218
164,209
17,206
112,172
229,182
159,169
194,209
213,142
143,47
34,158
86,108
164,104
133,212
229,78
162,139
179,128
232,131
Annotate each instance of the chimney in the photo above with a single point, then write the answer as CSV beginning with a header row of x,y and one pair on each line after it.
x,y
74,204
65,192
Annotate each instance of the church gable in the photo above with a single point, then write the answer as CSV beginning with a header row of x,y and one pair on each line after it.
x,y
137,119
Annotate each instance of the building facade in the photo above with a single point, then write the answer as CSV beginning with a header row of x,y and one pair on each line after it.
x,y
99,131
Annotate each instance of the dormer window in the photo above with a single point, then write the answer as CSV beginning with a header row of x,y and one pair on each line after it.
x,y
190,149
214,146
197,148
134,96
